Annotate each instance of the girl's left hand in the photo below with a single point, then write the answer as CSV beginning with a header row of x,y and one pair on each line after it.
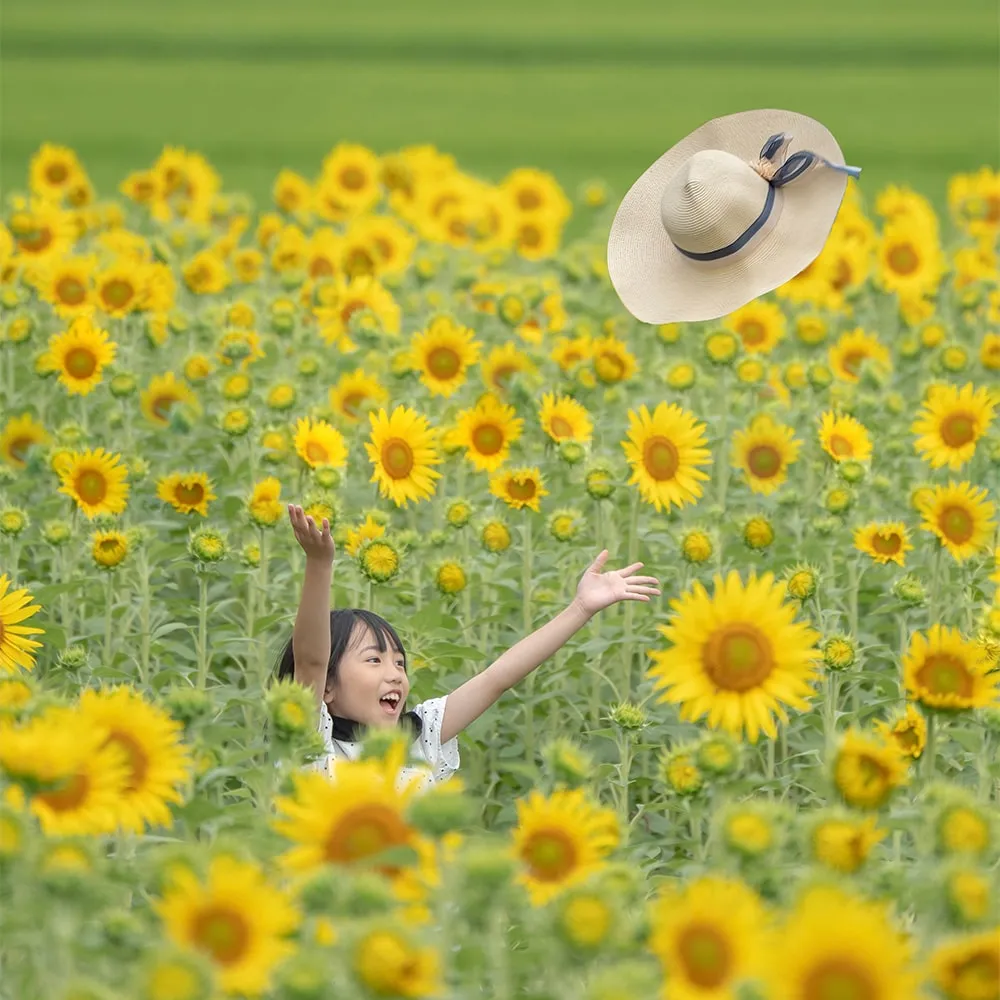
x,y
598,590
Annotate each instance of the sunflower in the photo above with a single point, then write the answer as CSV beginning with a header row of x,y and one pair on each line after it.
x,y
968,968
162,394
709,936
367,530
866,770
519,488
350,182
665,450
835,944
348,298
393,243
944,671
206,273
564,419
67,285
16,649
910,259
109,548
843,843
503,363
612,360
908,731
530,191
53,171
18,437
560,841
759,324
402,449
79,355
264,506
951,422
572,351
354,393
737,655
235,918
486,431
442,354
186,492
855,348
885,542
119,288
159,763
42,231
95,480
961,516
388,963
317,443
764,451
844,438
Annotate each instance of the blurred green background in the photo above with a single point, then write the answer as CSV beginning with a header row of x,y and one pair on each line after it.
x,y
584,89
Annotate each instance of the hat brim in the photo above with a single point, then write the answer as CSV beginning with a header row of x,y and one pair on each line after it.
x,y
658,284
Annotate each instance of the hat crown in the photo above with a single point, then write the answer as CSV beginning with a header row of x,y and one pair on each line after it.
x,y
711,200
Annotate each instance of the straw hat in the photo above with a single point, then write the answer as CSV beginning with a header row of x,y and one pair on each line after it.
x,y
737,208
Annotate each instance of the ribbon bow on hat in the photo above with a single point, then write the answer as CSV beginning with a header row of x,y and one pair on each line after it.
x,y
713,224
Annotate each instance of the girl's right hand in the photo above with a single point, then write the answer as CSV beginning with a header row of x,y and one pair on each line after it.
x,y
317,543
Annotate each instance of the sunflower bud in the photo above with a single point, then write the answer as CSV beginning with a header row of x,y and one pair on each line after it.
x,y
565,524
628,716
442,809
719,754
73,657
572,452
851,471
188,705
458,513
599,481
207,546
680,772
758,533
838,500
569,763
840,652
450,578
122,385
721,347
13,521
495,536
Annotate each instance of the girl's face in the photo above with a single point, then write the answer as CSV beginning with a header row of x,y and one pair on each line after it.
x,y
370,686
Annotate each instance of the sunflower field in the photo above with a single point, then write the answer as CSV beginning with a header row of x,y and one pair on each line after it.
x,y
778,782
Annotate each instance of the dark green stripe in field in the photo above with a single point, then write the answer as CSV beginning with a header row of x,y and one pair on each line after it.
x,y
780,53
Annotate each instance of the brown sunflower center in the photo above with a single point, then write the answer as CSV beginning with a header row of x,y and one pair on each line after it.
x,y
35,240
956,524
118,293
907,738
737,657
610,366
70,796
367,830
561,427
872,773
903,259
752,333
943,673
80,362
502,373
487,439
56,173
530,236
350,308
978,975
550,855
138,762
351,402
523,490
764,461
358,261
852,361
528,199
397,458
353,178
838,979
19,448
706,956
320,267
444,363
189,493
316,451
222,933
841,446
660,458
162,405
91,486
841,275
70,291
958,429
887,543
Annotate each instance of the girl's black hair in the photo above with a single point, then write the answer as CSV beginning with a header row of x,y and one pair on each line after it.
x,y
342,624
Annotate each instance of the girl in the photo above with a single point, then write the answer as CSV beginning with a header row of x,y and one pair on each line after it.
x,y
355,664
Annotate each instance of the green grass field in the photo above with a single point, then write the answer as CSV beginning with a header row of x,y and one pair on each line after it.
x,y
583,89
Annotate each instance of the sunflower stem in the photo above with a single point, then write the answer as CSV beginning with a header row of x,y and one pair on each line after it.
x,y
629,644
830,711
144,616
262,582
624,772
526,622
202,630
930,750
66,609
109,596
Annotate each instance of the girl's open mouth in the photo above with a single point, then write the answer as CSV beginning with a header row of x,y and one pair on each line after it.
x,y
390,702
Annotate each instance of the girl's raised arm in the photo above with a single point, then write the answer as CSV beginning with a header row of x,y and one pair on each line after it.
x,y
596,590
311,634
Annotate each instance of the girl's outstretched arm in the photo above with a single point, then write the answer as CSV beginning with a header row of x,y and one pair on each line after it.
x,y
311,634
595,591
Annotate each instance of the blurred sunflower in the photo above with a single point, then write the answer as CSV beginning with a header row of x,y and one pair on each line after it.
x,y
19,436
968,967
943,671
350,297
843,842
79,355
234,917
709,936
42,231
764,451
531,191
67,284
665,449
564,419
560,841
951,422
843,438
318,443
186,492
502,363
855,348
109,549
612,360
908,731
118,289
264,506
759,324
442,354
16,649
866,770
53,171
519,488
885,542
162,395
96,480
354,393
910,260
737,656
961,517
402,449
486,431
349,183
